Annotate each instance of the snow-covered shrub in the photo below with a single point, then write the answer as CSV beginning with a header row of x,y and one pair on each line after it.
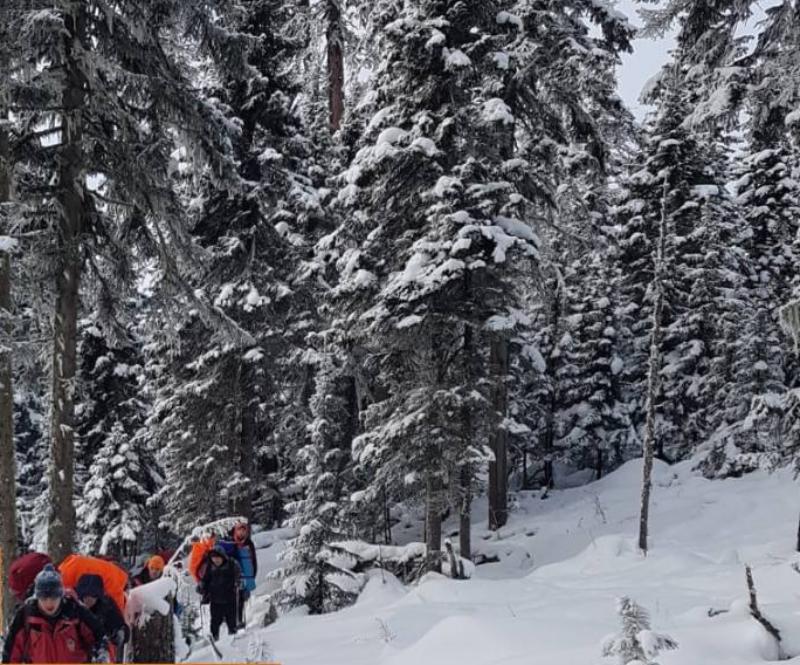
x,y
636,644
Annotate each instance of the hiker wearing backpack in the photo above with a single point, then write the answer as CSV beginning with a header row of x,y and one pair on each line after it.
x,y
246,556
53,628
91,592
219,587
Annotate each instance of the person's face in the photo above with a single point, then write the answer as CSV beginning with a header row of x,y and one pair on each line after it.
x,y
49,606
240,532
155,573
89,601
216,559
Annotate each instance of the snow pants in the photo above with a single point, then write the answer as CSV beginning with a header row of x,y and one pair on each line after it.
x,y
223,612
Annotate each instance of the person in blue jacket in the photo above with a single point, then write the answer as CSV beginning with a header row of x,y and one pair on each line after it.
x,y
245,554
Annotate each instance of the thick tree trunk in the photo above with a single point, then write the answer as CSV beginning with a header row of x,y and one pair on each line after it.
x,y
333,35
8,474
61,520
154,642
498,468
433,521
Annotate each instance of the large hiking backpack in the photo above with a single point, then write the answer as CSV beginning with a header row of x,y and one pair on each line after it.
x,y
115,579
197,557
23,572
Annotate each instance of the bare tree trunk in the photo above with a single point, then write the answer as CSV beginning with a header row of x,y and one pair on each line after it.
x,y
433,521
61,519
465,470
550,429
8,471
498,468
333,35
652,378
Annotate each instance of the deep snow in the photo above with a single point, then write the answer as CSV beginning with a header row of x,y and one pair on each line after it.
x,y
564,562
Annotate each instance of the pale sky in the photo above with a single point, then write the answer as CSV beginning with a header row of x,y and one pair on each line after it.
x,y
645,61
649,55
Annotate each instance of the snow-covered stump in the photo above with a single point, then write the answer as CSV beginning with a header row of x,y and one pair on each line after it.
x,y
152,623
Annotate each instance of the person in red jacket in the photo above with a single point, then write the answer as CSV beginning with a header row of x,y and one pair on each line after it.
x,y
52,628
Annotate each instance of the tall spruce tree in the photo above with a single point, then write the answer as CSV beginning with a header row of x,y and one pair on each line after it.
x,y
451,174
109,90
230,406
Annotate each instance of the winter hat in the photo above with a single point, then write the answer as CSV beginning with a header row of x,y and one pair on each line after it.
x,y
240,531
155,563
220,551
48,583
89,585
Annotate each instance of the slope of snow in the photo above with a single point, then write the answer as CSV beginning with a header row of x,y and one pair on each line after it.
x,y
563,563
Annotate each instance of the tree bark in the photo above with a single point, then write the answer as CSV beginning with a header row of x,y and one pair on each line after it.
x,y
465,521
8,471
498,468
154,642
335,50
652,378
433,521
61,519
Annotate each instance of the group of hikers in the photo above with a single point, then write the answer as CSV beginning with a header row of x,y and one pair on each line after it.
x,y
76,612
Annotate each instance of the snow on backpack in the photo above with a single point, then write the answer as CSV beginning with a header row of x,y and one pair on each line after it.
x,y
115,579
23,572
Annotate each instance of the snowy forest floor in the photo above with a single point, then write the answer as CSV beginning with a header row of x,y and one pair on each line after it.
x,y
564,562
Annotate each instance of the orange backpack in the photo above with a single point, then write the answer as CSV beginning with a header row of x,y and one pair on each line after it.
x,y
198,555
115,579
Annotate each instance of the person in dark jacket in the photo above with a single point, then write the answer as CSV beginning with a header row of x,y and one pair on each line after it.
x,y
246,557
220,588
53,628
91,593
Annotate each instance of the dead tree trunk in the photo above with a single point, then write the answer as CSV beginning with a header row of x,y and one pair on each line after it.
x,y
61,518
8,472
755,612
498,468
335,50
652,378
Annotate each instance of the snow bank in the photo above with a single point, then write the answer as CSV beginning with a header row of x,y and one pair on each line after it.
x,y
145,600
582,542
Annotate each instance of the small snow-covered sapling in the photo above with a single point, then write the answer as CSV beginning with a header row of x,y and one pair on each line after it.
x,y
636,644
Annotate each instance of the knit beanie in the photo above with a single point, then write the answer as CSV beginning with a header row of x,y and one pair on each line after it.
x,y
48,583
